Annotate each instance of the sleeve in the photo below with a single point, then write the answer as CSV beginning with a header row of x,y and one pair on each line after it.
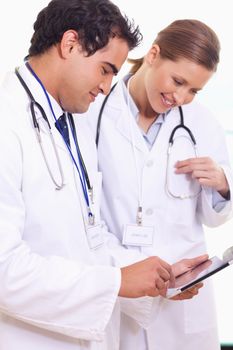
x,y
213,210
141,310
49,292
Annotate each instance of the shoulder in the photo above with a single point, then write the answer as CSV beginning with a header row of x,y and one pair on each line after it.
x,y
112,100
200,115
13,102
109,106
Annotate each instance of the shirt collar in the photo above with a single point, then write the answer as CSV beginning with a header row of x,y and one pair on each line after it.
x,y
39,94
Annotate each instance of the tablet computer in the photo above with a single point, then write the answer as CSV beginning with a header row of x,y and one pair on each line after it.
x,y
196,275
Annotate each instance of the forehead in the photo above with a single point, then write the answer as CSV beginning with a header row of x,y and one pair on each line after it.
x,y
115,52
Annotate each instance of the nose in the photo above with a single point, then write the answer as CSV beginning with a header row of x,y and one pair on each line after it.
x,y
182,96
105,85
179,97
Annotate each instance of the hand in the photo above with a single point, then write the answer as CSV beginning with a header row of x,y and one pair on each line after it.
x,y
189,293
206,172
147,277
185,265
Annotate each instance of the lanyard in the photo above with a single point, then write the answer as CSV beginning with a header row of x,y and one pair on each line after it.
x,y
83,175
139,178
81,161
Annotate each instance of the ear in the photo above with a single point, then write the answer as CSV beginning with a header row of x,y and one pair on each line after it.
x,y
68,43
152,54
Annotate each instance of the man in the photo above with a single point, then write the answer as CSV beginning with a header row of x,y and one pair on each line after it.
x,y
59,286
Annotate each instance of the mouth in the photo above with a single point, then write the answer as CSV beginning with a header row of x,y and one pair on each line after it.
x,y
92,96
168,103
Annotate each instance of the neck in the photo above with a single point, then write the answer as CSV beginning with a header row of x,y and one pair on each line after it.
x,y
145,123
137,91
46,71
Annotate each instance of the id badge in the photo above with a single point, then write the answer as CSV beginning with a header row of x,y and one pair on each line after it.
x,y
138,235
94,236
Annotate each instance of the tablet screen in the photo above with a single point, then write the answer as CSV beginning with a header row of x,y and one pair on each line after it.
x,y
196,275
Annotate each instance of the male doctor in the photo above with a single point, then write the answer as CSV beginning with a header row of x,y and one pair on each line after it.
x,y
59,287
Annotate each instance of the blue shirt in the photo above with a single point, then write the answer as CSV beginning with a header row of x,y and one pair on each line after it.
x,y
153,131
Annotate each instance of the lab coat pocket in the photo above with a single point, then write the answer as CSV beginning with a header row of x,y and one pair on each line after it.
x,y
180,214
200,312
181,186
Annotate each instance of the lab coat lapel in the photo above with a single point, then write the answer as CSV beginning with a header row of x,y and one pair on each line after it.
x,y
125,122
40,97
45,132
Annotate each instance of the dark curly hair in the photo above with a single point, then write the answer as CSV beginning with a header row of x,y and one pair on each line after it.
x,y
96,21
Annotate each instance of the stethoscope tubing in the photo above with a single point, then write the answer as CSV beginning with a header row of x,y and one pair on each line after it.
x,y
83,175
181,125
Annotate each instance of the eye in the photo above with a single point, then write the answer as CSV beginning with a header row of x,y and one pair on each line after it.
x,y
194,92
104,71
177,82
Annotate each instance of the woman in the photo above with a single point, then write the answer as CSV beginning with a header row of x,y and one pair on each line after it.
x,y
157,201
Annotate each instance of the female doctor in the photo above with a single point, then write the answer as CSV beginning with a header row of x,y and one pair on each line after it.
x,y
159,187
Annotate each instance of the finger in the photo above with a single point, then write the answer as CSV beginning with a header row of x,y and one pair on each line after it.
x,y
206,182
184,167
193,290
165,271
164,274
163,292
196,261
153,292
168,278
188,294
193,161
194,168
160,284
205,174
185,265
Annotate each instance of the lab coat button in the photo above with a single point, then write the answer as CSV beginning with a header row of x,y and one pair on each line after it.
x,y
149,163
149,211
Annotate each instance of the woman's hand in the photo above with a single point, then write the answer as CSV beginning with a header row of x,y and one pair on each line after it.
x,y
206,171
189,293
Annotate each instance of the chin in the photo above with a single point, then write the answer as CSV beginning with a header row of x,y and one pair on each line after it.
x,y
78,109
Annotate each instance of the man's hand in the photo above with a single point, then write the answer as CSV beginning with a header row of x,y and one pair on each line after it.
x,y
147,277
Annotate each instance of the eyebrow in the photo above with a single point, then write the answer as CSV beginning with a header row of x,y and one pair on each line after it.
x,y
113,67
186,82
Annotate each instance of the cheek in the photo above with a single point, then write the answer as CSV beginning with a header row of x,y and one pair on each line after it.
x,y
189,99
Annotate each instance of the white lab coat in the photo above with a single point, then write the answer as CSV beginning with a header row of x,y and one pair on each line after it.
x,y
191,324
56,293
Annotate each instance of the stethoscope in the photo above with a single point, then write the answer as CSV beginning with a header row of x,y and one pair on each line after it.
x,y
82,170
33,107
181,125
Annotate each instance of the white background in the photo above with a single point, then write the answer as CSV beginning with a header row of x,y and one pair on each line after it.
x,y
17,18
